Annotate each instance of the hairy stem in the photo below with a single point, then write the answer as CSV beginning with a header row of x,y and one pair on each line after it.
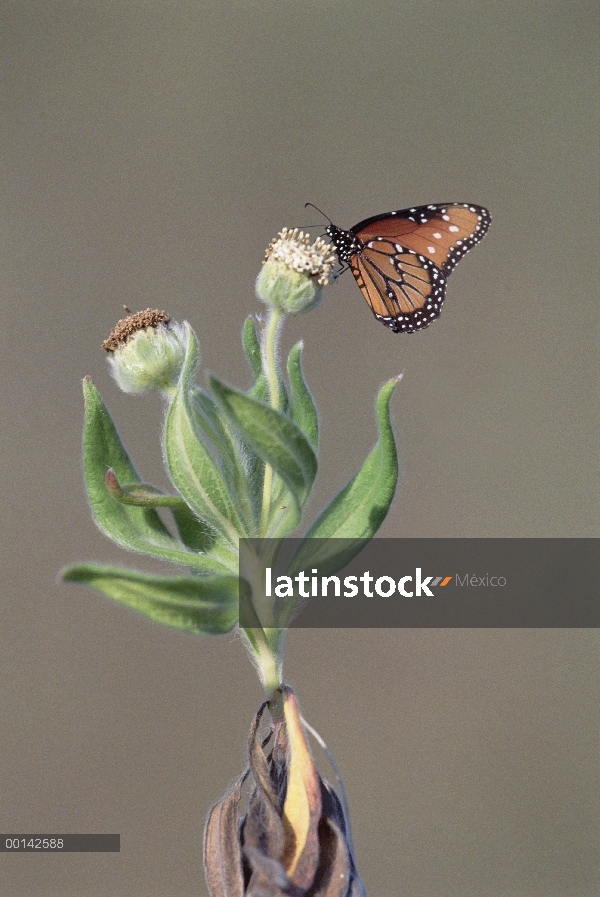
x,y
269,352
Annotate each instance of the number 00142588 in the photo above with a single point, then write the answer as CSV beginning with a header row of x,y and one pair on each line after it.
x,y
28,843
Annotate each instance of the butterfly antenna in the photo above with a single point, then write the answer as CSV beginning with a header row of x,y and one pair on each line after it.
x,y
306,226
318,210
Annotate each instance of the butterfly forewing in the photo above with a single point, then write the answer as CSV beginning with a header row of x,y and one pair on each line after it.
x,y
443,233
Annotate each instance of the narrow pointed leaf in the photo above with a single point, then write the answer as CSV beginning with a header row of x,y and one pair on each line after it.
x,y
358,511
252,347
197,604
302,407
259,390
285,515
191,466
136,528
260,387
271,435
194,533
234,458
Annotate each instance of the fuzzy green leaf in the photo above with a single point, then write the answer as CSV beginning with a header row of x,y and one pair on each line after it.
x,y
235,460
272,436
259,390
136,528
260,387
191,467
194,533
358,511
302,407
197,604
252,347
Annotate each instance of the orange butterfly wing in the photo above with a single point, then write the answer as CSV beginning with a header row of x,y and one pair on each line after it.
x,y
442,233
404,290
401,260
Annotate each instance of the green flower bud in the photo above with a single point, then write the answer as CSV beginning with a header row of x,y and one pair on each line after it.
x,y
146,352
294,272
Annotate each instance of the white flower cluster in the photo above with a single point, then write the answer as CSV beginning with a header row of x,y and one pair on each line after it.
x,y
293,248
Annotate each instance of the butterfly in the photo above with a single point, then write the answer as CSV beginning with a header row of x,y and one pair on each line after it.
x,y
401,260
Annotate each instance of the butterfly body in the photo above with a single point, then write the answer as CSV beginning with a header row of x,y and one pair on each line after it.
x,y
401,260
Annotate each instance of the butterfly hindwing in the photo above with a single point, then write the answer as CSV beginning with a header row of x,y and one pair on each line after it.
x,y
404,289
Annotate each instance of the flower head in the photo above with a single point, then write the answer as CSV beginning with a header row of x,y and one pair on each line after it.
x,y
294,271
146,352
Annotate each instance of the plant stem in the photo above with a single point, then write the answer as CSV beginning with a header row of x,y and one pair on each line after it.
x,y
269,352
269,669
270,346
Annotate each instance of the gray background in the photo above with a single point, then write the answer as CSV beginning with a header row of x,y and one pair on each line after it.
x,y
151,151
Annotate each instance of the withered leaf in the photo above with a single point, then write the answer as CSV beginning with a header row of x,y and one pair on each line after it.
x,y
333,875
302,807
222,849
263,827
